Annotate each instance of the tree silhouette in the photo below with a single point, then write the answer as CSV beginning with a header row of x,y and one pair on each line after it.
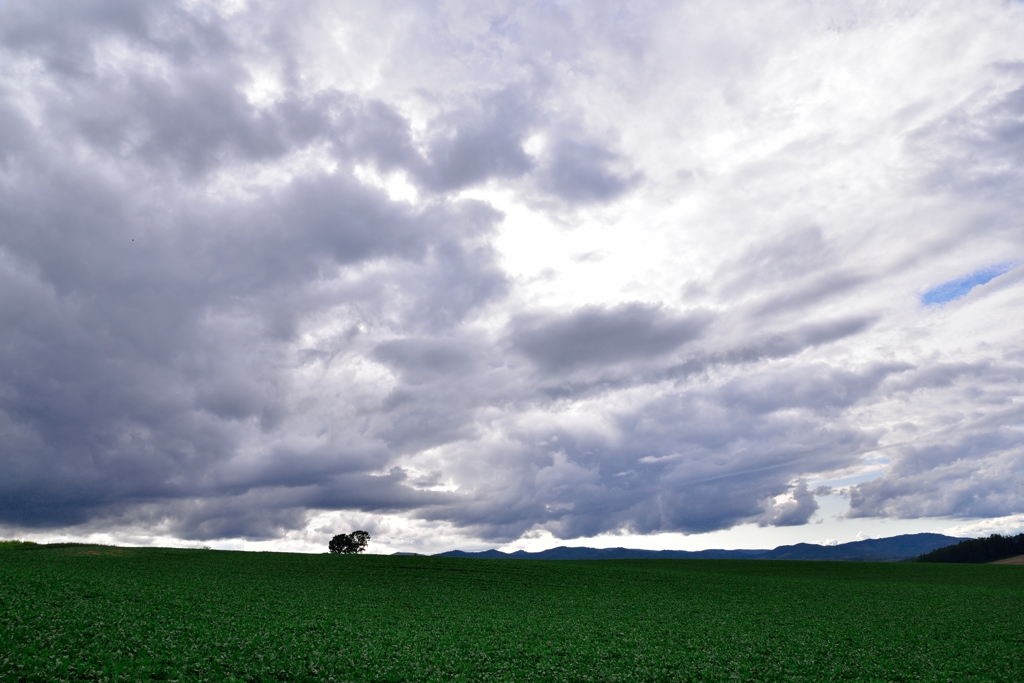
x,y
349,544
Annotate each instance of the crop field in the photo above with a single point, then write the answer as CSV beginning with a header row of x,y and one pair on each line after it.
x,y
122,614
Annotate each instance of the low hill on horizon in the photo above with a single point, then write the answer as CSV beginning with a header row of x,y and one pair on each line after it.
x,y
583,553
892,549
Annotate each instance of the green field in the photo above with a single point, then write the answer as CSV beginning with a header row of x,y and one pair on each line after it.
x,y
112,614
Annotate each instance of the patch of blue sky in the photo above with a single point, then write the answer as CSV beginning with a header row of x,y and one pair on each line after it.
x,y
955,289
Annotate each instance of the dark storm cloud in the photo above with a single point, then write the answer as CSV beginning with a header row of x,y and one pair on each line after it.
x,y
262,513
151,320
691,461
593,336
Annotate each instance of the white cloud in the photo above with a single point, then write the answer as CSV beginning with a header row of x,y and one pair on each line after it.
x,y
1010,525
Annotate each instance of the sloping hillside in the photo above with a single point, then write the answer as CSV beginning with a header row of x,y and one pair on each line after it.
x,y
978,550
890,549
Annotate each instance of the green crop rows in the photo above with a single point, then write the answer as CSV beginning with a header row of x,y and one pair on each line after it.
x,y
119,614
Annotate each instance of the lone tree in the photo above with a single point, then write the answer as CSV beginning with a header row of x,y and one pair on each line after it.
x,y
349,544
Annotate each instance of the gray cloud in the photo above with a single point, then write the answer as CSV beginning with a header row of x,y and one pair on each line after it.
x,y
420,360
759,348
584,172
65,36
818,387
481,141
154,322
962,480
782,344
979,146
791,512
968,468
692,461
597,336
241,282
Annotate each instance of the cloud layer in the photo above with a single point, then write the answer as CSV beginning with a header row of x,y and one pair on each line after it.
x,y
503,268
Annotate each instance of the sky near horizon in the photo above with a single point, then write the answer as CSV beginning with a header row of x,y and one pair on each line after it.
x,y
503,274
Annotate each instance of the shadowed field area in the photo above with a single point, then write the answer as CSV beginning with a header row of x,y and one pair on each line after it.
x,y
95,613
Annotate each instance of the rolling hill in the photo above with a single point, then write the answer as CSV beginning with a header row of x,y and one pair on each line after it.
x,y
995,548
892,549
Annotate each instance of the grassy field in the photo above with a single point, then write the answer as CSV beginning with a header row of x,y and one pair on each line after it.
x,y
113,614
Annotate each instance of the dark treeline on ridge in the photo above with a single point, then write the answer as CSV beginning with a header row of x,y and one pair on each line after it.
x,y
978,550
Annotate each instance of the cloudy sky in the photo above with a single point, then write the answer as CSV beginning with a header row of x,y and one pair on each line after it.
x,y
466,274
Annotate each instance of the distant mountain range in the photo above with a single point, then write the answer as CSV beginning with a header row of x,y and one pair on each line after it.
x,y
891,549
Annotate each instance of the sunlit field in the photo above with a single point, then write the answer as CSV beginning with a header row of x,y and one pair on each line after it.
x,y
122,614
